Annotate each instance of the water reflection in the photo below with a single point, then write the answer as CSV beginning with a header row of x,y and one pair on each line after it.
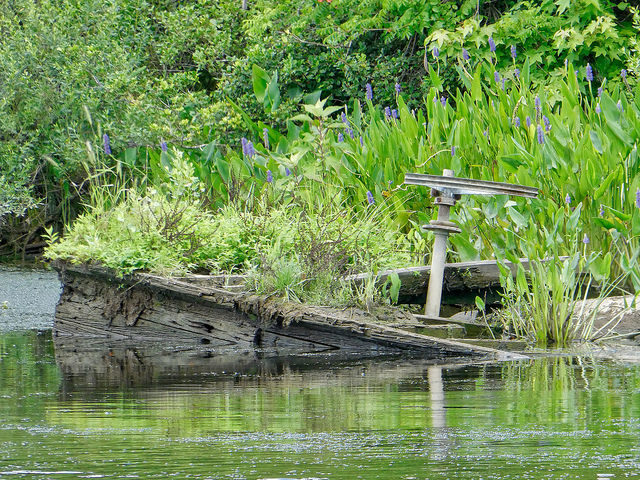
x,y
121,410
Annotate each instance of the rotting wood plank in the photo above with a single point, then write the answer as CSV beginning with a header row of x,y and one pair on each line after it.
x,y
138,303
463,281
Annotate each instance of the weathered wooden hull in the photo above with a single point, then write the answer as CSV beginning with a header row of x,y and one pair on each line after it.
x,y
462,282
144,308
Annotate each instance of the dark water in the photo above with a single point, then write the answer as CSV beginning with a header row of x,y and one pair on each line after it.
x,y
73,410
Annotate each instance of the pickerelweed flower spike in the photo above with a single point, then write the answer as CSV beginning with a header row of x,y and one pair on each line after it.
x,y
598,109
269,176
369,91
496,76
623,73
251,151
600,90
443,101
492,45
265,137
387,112
107,144
243,142
394,114
638,198
436,52
163,146
601,210
528,121
345,120
547,123
585,239
589,73
567,199
398,88
516,122
350,132
340,138
514,52
537,103
516,73
370,198
540,135
465,54
453,150
287,172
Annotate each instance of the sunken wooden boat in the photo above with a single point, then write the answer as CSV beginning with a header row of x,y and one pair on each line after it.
x,y
212,311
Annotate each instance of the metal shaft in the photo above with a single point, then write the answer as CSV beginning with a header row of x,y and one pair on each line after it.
x,y
436,275
438,259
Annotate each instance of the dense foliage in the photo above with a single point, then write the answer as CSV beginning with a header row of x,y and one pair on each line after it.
x,y
236,136
153,70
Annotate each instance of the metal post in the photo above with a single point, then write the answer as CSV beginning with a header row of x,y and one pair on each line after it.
x,y
447,189
442,227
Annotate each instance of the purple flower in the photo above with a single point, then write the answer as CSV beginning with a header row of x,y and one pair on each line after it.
x,y
340,138
243,142
589,73
598,109
387,112
369,91
394,113
436,52
398,88
287,172
638,198
443,101
567,199
585,239
601,210
540,135
465,54
600,90
251,151
538,104
265,137
370,198
350,132
361,141
516,122
547,123
107,144
513,52
345,120
453,150
623,73
504,81
528,121
516,73
496,76
269,176
163,146
492,44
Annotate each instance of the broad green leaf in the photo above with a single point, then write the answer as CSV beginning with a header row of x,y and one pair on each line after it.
x,y
260,79
595,141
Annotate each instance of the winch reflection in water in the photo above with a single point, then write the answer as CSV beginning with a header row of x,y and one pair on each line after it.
x,y
120,412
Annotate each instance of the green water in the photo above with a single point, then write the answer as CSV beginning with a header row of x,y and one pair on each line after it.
x,y
116,412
